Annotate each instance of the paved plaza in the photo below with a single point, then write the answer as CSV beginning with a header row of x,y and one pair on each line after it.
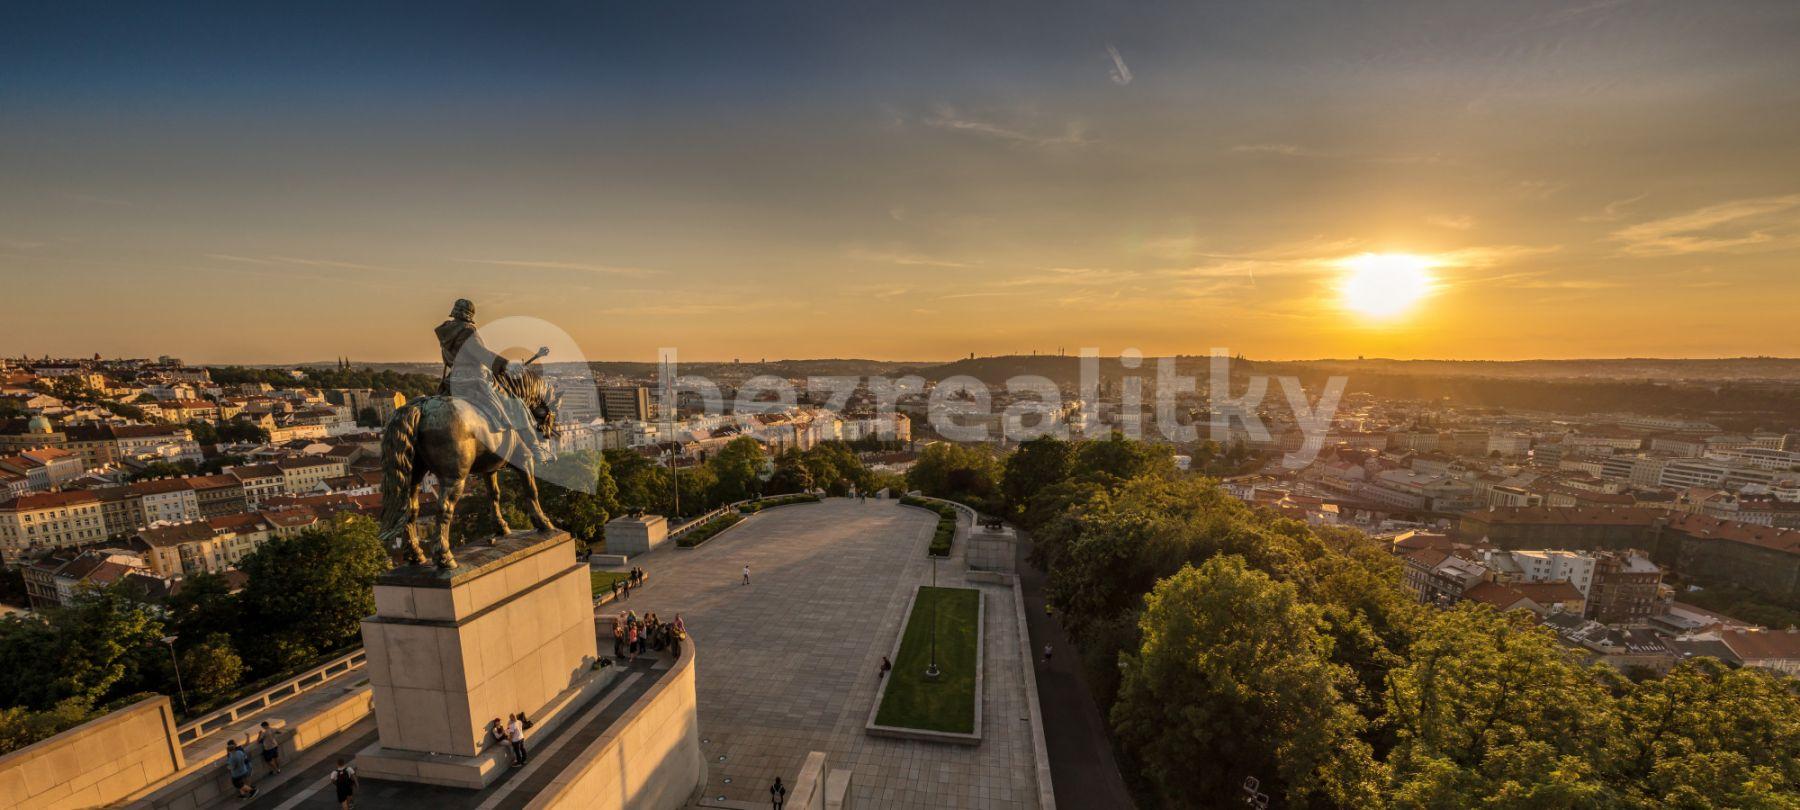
x,y
789,663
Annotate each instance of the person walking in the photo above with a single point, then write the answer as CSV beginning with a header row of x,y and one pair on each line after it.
x,y
746,575
269,740
886,665
515,733
777,794
237,765
343,777
1046,653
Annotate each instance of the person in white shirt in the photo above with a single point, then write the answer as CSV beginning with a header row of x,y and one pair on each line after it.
x,y
343,777
746,575
515,733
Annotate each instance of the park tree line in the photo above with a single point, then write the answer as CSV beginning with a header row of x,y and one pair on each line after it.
x,y
303,599
626,481
1224,642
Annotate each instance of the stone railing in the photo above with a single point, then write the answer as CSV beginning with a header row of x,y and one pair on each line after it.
x,y
702,520
279,693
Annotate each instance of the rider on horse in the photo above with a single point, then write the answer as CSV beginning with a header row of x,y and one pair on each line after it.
x,y
470,374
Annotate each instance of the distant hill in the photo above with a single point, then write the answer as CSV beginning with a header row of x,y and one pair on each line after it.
x,y
1065,369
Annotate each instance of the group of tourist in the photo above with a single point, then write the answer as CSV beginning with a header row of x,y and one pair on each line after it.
x,y
511,734
633,635
621,588
268,742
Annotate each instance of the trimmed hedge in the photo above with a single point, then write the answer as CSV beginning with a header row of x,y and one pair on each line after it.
x,y
760,504
946,528
706,532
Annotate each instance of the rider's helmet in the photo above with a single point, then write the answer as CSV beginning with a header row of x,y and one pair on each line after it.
x,y
463,310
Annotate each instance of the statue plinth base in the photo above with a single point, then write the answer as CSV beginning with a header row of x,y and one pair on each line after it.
x,y
510,629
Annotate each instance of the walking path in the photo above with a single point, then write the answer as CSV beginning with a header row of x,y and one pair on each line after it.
x,y
1081,754
792,659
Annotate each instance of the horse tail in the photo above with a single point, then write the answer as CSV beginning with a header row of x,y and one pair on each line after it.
x,y
397,472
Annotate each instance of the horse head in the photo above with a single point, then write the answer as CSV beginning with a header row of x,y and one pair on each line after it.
x,y
541,400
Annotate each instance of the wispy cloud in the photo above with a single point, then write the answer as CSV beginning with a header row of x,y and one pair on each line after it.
x,y
1615,210
1760,223
948,118
903,258
1121,72
297,261
1461,222
580,267
1293,150
674,310
1285,149
1071,277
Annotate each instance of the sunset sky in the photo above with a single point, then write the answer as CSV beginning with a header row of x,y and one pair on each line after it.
x,y
902,180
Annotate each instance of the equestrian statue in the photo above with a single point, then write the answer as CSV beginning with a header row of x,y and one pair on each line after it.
x,y
485,417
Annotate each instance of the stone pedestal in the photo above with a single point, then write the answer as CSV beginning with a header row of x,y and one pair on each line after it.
x,y
636,535
510,629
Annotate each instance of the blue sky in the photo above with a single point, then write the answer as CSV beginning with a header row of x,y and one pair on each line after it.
x,y
911,180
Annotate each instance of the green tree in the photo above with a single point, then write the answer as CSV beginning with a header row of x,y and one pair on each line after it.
x,y
1706,735
738,468
101,645
964,472
791,474
1235,672
1037,465
203,432
204,606
1490,704
698,486
164,469
580,512
641,483
1116,458
310,592
20,726
835,468
239,430
212,668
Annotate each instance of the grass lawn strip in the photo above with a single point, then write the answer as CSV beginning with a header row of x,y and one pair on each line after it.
x,y
948,703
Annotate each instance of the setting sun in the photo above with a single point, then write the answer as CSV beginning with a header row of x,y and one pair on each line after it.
x,y
1383,285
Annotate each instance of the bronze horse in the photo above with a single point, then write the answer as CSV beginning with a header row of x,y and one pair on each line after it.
x,y
448,438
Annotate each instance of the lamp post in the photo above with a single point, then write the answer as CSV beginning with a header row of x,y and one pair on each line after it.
x,y
170,640
931,670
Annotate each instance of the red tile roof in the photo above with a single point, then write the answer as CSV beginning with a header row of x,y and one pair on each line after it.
x,y
49,500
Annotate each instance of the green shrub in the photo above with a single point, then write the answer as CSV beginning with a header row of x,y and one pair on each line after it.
x,y
946,528
760,504
706,532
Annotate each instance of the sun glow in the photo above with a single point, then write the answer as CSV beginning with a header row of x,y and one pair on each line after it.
x,y
1384,285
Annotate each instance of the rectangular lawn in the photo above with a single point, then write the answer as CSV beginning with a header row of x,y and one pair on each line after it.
x,y
948,703
603,580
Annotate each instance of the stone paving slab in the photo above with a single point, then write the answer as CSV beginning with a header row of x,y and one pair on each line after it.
x,y
792,659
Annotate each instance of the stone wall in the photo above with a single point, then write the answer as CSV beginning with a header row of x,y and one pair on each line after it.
x,y
648,760
96,763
